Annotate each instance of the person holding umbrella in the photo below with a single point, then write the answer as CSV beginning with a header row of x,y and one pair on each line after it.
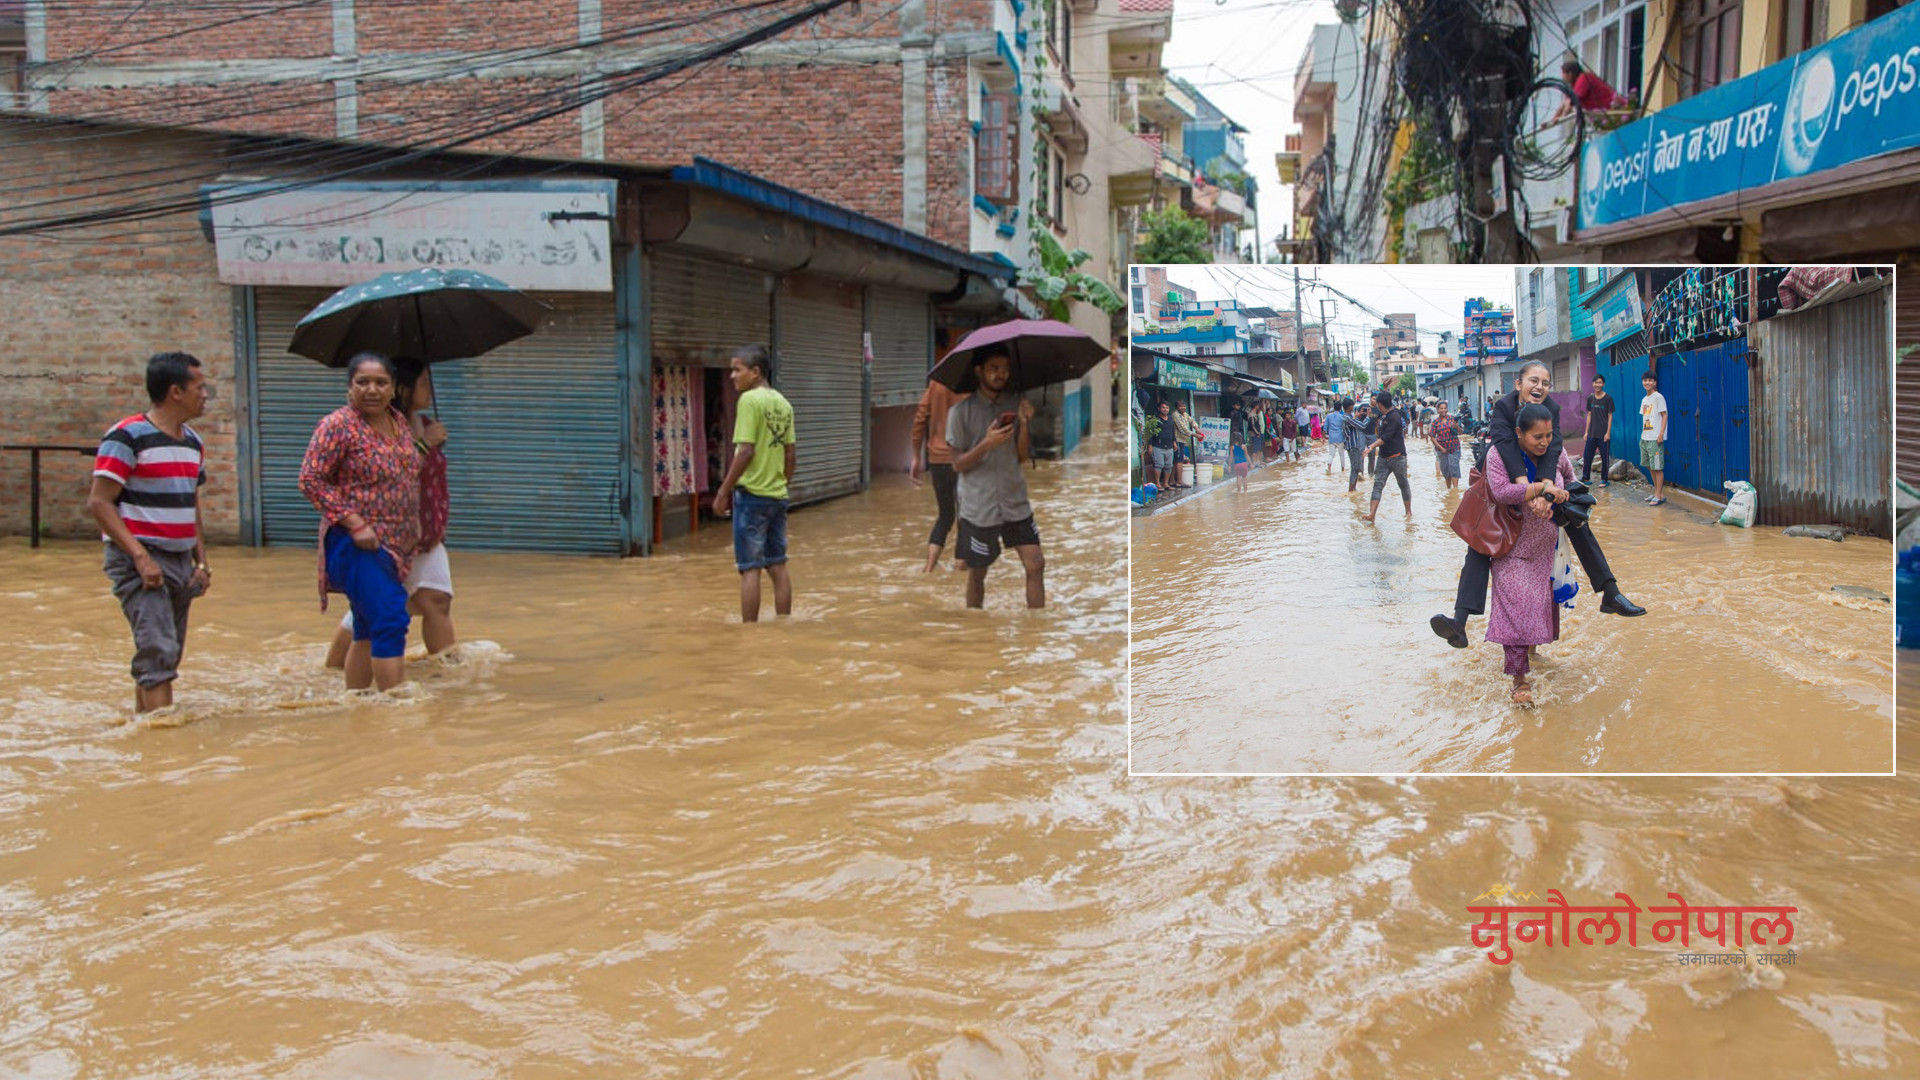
x,y
362,473
430,582
990,437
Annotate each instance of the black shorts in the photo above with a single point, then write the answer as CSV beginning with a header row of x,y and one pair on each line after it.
x,y
980,544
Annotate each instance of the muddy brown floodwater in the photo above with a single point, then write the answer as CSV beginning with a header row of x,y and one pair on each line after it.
x,y
890,840
1277,631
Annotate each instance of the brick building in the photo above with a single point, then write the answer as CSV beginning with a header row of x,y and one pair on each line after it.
x,y
651,276
973,122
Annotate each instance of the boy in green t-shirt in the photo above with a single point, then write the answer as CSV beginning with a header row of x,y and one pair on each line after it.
x,y
763,425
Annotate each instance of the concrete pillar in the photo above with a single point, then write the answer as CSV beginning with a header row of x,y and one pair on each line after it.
x,y
593,114
915,44
346,90
36,20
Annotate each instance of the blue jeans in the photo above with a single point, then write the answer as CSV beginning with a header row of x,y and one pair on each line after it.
x,y
759,531
374,592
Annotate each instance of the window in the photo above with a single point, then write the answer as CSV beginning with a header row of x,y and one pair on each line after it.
x,y
1709,44
1803,24
13,78
1610,40
1533,300
1059,211
1060,33
993,149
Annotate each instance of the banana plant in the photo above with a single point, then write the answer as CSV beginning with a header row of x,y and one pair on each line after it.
x,y
1059,281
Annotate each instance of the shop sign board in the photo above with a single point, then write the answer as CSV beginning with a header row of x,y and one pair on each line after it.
x,y
1852,98
1216,433
1181,376
549,235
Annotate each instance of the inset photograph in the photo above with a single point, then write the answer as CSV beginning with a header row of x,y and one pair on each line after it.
x,y
1521,519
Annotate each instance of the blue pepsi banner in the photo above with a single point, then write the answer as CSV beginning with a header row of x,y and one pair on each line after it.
x,y
1849,99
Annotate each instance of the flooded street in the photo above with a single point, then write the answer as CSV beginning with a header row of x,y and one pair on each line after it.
x,y
889,840
1278,632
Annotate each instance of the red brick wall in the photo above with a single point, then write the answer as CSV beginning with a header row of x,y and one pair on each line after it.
x,y
833,133
832,130
117,31
298,108
90,306
949,156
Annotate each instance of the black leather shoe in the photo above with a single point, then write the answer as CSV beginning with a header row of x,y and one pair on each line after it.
x,y
1444,626
1576,487
1614,603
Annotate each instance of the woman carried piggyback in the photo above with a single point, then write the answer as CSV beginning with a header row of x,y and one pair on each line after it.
x,y
1523,613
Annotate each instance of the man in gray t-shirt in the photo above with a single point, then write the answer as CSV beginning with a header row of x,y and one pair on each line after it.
x,y
988,434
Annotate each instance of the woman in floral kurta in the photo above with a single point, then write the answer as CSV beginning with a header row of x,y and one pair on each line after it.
x,y
362,473
1521,612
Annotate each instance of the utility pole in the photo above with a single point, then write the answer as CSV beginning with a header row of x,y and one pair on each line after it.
x,y
1487,114
1299,333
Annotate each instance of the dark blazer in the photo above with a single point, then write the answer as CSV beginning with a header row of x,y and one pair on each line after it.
x,y
1500,420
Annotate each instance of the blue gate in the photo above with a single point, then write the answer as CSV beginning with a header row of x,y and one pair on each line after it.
x,y
1623,385
1708,434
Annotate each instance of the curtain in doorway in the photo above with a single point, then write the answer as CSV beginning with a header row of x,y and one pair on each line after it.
x,y
679,432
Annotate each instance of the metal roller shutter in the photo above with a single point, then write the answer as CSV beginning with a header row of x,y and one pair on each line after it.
x,y
902,325
703,311
817,366
1906,331
538,450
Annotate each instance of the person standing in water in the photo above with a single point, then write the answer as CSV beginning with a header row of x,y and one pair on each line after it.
x,y
429,581
1523,613
989,435
763,463
1599,431
930,435
362,473
145,496
1391,444
1653,437
1503,452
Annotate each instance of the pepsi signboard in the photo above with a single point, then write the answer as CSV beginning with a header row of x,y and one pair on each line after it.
x,y
1857,96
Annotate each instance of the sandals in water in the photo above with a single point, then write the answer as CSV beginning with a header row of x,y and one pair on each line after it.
x,y
1523,694
1661,501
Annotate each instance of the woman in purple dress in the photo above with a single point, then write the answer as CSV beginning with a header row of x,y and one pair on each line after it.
x,y
1522,612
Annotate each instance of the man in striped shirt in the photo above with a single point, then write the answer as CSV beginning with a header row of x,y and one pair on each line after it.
x,y
146,481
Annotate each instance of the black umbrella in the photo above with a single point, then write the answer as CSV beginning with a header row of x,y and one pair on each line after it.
x,y
428,315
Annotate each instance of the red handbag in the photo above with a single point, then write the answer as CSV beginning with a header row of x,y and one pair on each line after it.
x,y
1488,527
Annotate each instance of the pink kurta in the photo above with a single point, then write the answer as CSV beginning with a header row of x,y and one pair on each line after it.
x,y
1522,611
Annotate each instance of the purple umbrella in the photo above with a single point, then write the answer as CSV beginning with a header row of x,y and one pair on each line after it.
x,y
1042,351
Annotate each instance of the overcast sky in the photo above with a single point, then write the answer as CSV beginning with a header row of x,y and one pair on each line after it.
x,y
1242,54
1434,294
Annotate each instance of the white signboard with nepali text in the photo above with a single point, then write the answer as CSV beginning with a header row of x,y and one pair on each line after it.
x,y
537,235
1216,434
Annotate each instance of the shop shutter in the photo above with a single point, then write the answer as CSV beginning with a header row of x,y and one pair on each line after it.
x,y
291,393
1906,332
817,365
902,324
538,448
703,311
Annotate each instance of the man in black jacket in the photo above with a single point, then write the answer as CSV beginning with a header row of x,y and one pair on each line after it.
x,y
1471,599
